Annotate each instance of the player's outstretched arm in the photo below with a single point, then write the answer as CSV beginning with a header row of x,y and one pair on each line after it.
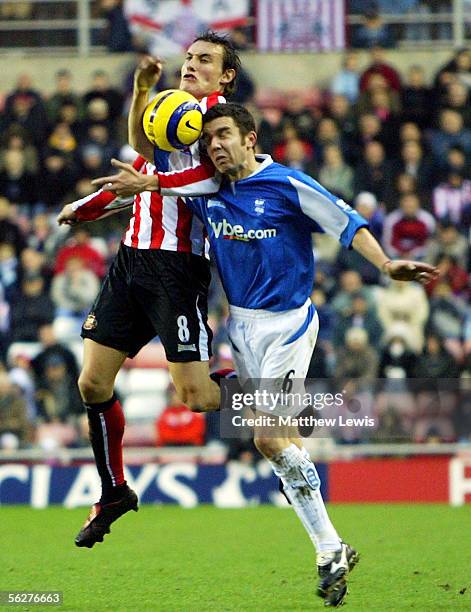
x,y
92,207
400,269
128,182
147,75
67,216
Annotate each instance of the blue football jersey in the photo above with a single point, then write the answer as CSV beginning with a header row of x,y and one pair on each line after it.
x,y
260,230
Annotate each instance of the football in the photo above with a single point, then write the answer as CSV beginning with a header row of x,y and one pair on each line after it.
x,y
173,120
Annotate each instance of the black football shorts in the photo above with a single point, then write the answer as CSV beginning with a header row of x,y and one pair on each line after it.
x,y
152,292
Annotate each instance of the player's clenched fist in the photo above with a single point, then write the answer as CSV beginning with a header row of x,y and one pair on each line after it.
x,y
147,73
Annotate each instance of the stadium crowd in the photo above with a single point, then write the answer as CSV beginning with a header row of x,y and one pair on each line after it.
x,y
394,145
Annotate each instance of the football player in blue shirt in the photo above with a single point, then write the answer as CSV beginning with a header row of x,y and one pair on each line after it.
x,y
259,225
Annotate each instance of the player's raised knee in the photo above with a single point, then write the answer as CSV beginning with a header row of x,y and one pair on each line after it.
x,y
93,388
196,396
268,445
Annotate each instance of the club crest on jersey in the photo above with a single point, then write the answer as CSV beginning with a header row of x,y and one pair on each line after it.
x,y
90,322
259,206
215,204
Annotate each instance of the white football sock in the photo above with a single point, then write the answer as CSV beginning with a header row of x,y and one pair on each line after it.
x,y
307,502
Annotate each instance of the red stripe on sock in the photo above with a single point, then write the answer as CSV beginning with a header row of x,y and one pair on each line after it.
x,y
114,420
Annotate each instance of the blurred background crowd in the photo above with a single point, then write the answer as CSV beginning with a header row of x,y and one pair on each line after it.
x,y
397,146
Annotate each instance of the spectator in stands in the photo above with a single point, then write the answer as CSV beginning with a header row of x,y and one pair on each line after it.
x,y
17,140
361,316
25,109
98,134
177,425
101,88
458,67
357,362
34,263
456,160
347,81
348,259
117,35
379,65
372,32
50,347
69,113
92,162
452,199
415,98
297,115
351,285
270,131
245,88
404,303
410,131
395,406
396,358
457,99
447,241
388,103
451,132
15,429
327,133
16,183
31,309
414,162
367,206
22,377
295,157
374,173
369,129
57,179
341,111
57,394
434,410
9,230
9,271
73,292
407,230
63,141
453,275
290,134
448,314
44,238
326,316
97,112
81,246
335,174
62,95
404,184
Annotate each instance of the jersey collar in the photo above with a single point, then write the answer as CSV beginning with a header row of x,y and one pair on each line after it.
x,y
265,160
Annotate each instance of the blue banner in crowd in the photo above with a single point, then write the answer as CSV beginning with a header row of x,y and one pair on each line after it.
x,y
186,484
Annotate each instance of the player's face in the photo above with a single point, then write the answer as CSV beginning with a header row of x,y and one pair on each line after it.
x,y
227,148
202,72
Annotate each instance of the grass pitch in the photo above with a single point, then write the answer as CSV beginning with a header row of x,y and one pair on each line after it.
x,y
207,559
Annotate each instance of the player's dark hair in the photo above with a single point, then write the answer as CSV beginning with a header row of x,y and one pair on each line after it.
x,y
230,58
241,116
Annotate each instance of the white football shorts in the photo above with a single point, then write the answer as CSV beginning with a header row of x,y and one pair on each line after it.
x,y
274,348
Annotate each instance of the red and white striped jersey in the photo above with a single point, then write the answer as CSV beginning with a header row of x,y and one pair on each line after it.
x,y
162,220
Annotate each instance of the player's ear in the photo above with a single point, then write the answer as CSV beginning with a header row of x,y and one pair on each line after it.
x,y
227,76
251,139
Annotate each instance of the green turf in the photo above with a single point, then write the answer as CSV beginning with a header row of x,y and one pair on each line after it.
x,y
168,558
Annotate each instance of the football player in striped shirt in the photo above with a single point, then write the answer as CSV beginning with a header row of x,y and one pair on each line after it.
x,y
158,282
